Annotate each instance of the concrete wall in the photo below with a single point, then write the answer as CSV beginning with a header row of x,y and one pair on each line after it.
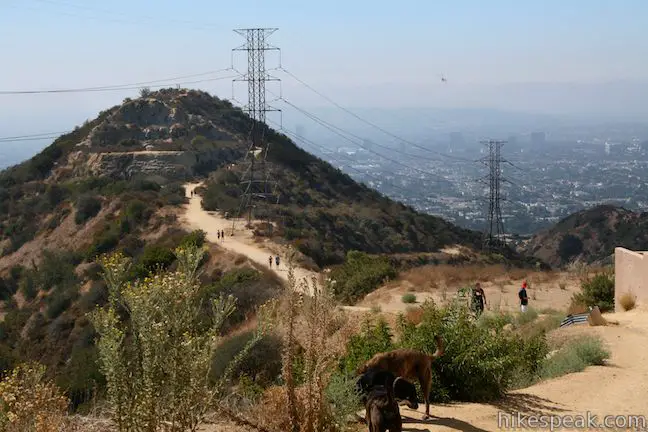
x,y
630,275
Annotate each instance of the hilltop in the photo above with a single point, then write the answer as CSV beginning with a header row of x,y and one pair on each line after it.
x,y
590,236
175,135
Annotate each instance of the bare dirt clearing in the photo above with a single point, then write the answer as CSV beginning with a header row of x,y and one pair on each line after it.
x,y
546,291
242,242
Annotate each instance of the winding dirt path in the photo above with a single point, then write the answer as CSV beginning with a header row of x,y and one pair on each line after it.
x,y
242,242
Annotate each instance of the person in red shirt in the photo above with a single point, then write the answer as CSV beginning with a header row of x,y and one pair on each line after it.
x,y
524,299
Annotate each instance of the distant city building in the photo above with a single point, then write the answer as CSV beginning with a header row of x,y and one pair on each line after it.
x,y
456,139
537,138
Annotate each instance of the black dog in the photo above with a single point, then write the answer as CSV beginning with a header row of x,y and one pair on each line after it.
x,y
382,412
402,390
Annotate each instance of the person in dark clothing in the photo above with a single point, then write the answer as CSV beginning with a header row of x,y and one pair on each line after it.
x,y
524,300
277,260
218,234
479,299
270,261
222,235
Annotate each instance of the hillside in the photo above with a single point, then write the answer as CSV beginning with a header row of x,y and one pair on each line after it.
x,y
590,236
115,184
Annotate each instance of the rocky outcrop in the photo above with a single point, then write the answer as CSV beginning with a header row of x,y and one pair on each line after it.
x,y
172,165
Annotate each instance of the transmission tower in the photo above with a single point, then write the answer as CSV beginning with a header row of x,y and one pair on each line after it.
x,y
256,181
494,232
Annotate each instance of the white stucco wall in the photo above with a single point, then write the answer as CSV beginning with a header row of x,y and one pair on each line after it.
x,y
630,275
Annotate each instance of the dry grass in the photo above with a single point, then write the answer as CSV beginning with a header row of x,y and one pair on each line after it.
x,y
577,307
414,315
431,277
628,301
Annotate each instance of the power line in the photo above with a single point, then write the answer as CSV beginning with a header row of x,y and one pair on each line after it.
x,y
44,135
340,132
306,141
131,86
369,122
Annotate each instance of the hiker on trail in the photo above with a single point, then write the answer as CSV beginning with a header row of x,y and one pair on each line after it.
x,y
479,298
270,261
218,234
222,235
524,300
277,260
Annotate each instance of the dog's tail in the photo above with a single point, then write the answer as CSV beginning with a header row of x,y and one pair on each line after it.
x,y
440,349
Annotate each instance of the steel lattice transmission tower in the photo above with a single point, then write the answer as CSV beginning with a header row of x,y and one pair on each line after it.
x,y
494,232
257,182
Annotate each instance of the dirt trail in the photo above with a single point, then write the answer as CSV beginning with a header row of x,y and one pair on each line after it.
x,y
242,242
620,388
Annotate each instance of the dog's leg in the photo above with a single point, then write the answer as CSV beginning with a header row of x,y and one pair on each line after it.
x,y
426,387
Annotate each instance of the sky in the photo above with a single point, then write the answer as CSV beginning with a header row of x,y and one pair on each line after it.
x,y
549,56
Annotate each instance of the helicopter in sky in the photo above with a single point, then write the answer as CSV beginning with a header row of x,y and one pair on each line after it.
x,y
443,78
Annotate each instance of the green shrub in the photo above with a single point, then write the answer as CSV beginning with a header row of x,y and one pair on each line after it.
x,y
56,270
480,363
161,376
569,247
155,258
59,300
7,289
249,289
359,275
28,286
575,357
372,339
597,291
195,238
262,363
87,207
342,396
409,298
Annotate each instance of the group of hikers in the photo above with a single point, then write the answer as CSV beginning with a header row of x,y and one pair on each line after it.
x,y
221,235
478,300
276,260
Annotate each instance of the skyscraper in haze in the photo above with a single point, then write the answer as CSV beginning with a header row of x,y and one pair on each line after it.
x,y
456,139
537,139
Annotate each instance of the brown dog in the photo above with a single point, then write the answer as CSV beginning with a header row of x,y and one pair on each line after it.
x,y
409,364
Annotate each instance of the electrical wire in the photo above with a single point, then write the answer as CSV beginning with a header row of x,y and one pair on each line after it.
x,y
33,136
311,144
131,86
281,68
337,130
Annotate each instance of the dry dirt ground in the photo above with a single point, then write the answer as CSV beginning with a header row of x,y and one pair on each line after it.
x,y
545,291
242,242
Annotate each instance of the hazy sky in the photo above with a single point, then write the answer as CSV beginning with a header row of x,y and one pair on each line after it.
x,y
516,54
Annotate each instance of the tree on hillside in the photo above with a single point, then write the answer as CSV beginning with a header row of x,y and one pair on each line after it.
x,y
569,247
